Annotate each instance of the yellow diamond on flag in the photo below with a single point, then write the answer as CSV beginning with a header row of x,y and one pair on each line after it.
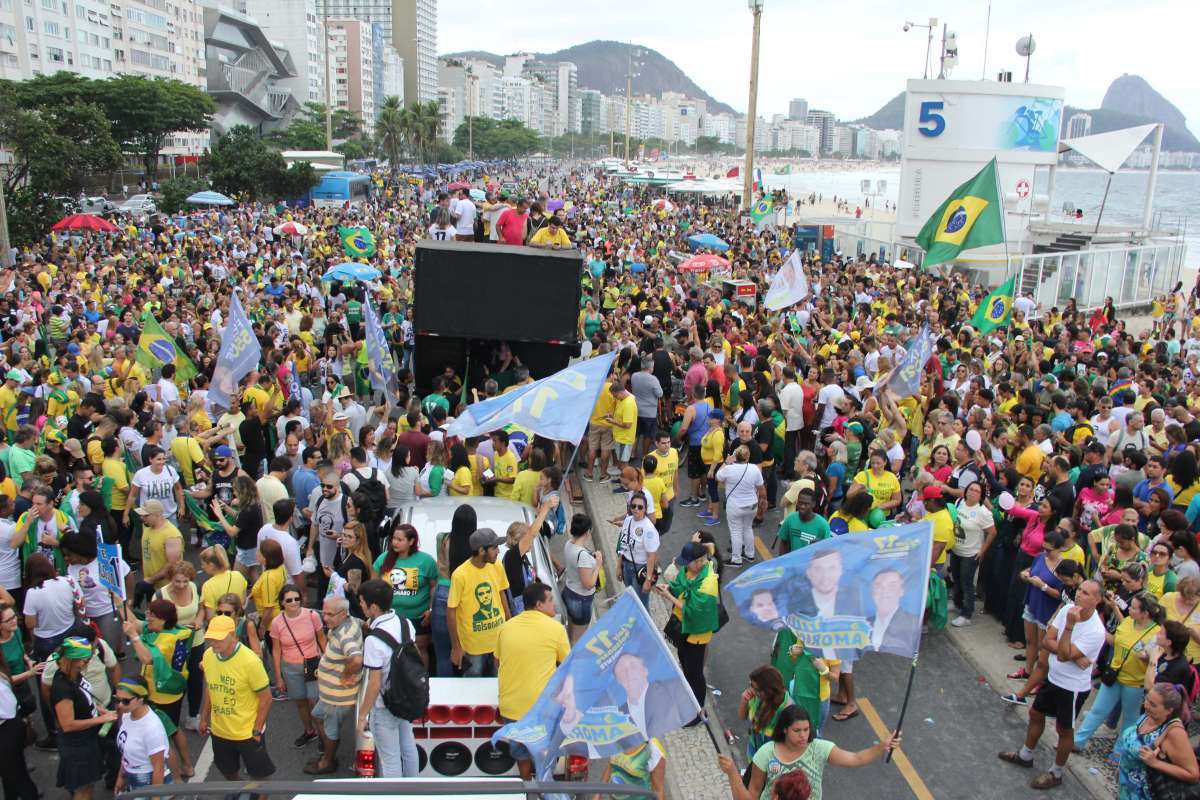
x,y
998,308
959,216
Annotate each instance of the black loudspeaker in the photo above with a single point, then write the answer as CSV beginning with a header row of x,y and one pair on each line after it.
x,y
490,291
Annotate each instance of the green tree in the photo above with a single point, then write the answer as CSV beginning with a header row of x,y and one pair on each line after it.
x,y
294,181
54,150
175,191
390,130
240,164
506,138
143,112
421,122
30,215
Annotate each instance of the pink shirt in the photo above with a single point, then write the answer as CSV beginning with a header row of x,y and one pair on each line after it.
x,y
304,628
1035,529
511,226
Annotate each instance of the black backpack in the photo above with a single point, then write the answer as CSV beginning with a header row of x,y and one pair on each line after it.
x,y
376,494
406,693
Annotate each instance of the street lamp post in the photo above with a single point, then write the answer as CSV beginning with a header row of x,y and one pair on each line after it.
x,y
756,7
328,80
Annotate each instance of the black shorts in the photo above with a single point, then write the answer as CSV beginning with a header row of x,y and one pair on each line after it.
x,y
422,628
229,755
647,427
1062,704
695,464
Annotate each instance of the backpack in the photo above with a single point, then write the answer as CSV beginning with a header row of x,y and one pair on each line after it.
x,y
406,692
376,494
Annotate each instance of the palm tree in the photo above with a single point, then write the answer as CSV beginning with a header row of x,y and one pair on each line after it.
x,y
422,121
390,130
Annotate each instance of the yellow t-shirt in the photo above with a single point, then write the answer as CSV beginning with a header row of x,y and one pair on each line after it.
x,y
853,524
604,407
461,484
943,531
265,593
545,238
668,465
228,582
529,647
8,402
233,686
1127,638
712,446
882,488
1193,621
476,486
658,492
475,596
256,395
505,466
1075,554
112,468
1029,462
525,485
188,454
154,548
626,412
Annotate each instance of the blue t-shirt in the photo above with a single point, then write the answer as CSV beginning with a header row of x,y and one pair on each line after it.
x,y
1040,604
837,470
1061,422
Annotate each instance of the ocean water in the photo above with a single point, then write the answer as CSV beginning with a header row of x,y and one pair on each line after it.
x,y
1176,205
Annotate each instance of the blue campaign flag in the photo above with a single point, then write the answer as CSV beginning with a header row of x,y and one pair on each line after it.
x,y
294,390
618,687
382,367
861,591
906,380
557,407
240,353
108,568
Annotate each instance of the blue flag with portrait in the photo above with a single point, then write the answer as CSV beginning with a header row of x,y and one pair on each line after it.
x,y
557,407
240,353
618,687
382,367
862,592
906,380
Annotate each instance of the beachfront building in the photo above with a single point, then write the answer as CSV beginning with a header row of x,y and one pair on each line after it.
x,y
352,69
297,26
826,122
414,37
798,109
245,73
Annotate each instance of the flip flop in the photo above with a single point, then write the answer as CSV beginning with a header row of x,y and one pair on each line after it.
x,y
842,716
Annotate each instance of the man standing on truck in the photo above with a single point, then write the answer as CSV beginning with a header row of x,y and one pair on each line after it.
x,y
529,647
477,607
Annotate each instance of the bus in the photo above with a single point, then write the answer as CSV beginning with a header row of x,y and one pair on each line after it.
x,y
338,188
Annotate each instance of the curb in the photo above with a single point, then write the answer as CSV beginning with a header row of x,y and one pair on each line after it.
x,y
686,747
1095,785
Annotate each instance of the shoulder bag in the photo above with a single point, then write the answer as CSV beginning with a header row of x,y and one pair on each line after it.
x,y
1167,787
310,663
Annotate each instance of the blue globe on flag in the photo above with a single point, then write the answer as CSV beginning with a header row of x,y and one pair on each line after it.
x,y
163,350
957,220
999,308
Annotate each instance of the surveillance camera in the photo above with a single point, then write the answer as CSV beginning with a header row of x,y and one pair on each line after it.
x,y
907,26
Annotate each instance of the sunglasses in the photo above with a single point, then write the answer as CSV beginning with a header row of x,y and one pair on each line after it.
x,y
224,613
123,701
290,600
328,486
638,508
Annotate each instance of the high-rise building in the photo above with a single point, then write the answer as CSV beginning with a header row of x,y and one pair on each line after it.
x,y
561,80
593,113
352,69
1079,125
414,35
244,73
826,121
392,67
798,109
372,12
297,25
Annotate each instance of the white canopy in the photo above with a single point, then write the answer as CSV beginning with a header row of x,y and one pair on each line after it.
x,y
705,186
1108,150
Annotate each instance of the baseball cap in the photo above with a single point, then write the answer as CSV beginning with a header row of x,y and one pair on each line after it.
x,y
856,427
73,447
690,552
484,537
13,375
932,493
223,451
716,414
150,507
220,628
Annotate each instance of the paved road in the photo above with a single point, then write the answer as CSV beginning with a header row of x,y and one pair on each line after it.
x,y
954,728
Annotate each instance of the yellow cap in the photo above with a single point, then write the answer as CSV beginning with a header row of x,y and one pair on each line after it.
x,y
219,628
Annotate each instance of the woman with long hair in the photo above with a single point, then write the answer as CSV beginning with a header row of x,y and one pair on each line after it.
x,y
1037,521
14,697
351,566
297,642
412,575
162,647
94,518
453,548
1042,596
761,705
247,521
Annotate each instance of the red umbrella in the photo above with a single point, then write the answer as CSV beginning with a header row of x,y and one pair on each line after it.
x,y
454,187
84,222
706,263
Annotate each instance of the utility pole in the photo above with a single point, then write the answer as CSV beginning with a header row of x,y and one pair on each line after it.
x,y
6,248
756,7
628,103
470,115
328,80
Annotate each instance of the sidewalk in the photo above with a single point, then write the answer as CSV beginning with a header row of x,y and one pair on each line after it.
x,y
692,771
982,644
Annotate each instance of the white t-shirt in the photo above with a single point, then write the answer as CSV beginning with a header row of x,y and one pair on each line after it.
x,y
97,601
465,211
139,739
973,521
160,487
829,395
377,654
53,603
1088,636
10,557
291,548
741,484
168,392
637,540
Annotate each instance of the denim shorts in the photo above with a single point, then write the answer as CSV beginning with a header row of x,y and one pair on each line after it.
x,y
1028,616
136,780
297,687
247,558
331,718
578,607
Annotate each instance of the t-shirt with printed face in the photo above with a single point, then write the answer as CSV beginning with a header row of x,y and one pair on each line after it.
x,y
475,594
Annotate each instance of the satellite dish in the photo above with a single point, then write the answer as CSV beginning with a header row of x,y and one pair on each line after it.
x,y
1025,46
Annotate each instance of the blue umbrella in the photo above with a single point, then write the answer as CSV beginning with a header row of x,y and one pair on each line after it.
x,y
709,240
478,194
637,267
210,198
351,271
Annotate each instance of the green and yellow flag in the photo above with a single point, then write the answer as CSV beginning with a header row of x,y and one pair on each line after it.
x,y
996,309
357,242
763,212
156,348
971,217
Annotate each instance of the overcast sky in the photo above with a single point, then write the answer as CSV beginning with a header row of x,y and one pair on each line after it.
x,y
851,57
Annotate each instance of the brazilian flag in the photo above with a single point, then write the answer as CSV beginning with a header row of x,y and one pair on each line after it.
x,y
156,348
996,309
761,211
971,217
357,242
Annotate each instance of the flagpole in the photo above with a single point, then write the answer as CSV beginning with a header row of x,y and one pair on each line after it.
x,y
912,673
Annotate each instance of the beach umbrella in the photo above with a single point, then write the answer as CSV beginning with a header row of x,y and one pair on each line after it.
x,y
291,228
709,240
351,271
454,187
704,264
663,204
637,267
478,194
84,222
210,198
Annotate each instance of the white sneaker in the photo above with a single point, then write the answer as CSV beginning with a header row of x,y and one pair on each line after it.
x,y
960,622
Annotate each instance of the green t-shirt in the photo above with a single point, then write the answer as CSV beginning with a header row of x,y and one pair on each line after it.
x,y
434,399
411,580
812,761
14,653
354,311
799,533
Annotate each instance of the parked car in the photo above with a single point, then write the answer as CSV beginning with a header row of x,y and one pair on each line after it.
x,y
69,204
138,204
96,205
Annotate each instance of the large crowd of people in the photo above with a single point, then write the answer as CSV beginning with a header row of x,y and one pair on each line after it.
x,y
1056,458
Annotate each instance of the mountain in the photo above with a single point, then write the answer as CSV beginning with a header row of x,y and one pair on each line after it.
x,y
603,64
890,117
1131,100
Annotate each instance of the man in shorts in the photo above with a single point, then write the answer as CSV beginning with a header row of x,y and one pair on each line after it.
x,y
1073,639
338,677
237,699
600,434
